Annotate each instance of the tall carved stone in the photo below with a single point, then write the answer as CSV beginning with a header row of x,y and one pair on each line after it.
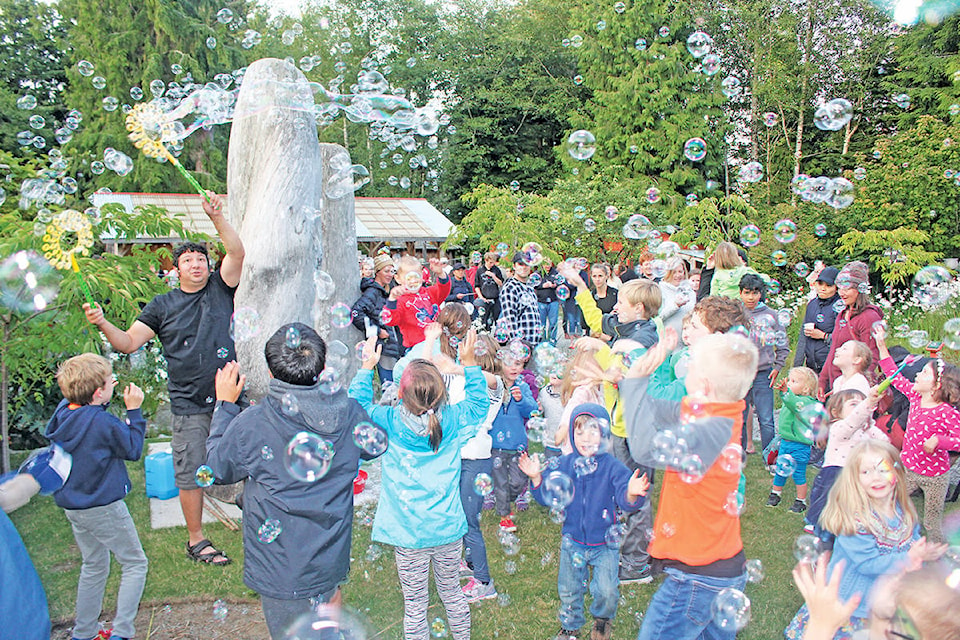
x,y
290,231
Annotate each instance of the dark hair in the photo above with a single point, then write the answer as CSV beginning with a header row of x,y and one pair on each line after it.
x,y
947,378
188,247
859,304
838,399
422,390
300,364
753,282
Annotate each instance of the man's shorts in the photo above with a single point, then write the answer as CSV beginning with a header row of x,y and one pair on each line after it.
x,y
189,447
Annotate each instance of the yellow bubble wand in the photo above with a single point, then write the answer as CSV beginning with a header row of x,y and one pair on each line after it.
x,y
147,126
58,230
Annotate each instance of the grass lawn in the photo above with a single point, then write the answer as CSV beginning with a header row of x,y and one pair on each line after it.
x,y
373,588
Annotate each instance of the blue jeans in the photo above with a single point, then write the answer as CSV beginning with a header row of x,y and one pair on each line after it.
x,y
571,315
681,609
472,504
575,560
760,397
549,316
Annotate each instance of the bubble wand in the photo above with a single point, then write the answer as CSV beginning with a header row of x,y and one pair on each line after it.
x,y
886,383
146,127
82,281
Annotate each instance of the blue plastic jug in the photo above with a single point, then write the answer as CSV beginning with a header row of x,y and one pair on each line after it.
x,y
159,472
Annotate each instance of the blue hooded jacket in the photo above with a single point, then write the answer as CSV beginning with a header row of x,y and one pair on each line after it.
x,y
509,429
99,443
596,495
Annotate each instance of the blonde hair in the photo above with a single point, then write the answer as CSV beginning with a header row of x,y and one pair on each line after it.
x,y
848,505
80,377
644,293
455,321
407,263
422,390
579,358
809,378
489,361
862,351
728,362
930,602
725,256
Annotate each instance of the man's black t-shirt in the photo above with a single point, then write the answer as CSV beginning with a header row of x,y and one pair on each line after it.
x,y
488,286
194,329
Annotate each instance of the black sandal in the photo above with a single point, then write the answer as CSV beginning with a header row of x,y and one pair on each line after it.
x,y
207,558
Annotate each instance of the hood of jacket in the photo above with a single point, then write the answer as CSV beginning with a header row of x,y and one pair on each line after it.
x,y
596,411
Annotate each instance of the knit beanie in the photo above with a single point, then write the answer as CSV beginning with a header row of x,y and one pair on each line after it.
x,y
853,274
382,261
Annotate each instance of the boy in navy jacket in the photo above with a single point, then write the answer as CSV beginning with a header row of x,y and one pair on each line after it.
x,y
587,487
92,496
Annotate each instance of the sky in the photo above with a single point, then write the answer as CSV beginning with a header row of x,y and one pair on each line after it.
x,y
290,7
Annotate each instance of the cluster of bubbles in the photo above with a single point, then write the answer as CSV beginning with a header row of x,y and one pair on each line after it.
x,y
836,192
932,286
833,115
371,438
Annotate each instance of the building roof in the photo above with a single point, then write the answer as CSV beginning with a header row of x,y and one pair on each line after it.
x,y
378,219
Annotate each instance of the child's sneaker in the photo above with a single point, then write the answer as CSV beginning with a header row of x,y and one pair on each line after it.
x,y
602,629
799,506
643,575
808,528
476,591
523,500
506,524
566,634
103,634
773,500
465,570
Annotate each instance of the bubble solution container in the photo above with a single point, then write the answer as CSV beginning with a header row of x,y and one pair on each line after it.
x,y
159,472
359,482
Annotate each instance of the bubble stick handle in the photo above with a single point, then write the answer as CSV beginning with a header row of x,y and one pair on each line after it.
x,y
886,383
83,283
186,174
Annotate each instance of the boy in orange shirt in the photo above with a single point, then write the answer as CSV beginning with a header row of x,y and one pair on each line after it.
x,y
696,538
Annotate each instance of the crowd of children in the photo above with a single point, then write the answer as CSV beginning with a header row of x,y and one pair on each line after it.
x,y
632,398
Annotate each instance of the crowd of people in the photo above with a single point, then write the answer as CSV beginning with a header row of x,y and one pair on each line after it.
x,y
483,405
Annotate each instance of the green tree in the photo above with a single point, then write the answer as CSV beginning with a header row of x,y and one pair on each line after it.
x,y
897,254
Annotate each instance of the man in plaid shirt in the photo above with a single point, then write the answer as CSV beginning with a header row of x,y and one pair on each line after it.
x,y
518,303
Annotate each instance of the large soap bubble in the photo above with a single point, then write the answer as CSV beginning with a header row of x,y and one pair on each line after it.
x,y
28,282
581,145
558,489
307,457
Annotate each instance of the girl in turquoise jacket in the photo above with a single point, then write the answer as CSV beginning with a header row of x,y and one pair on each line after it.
x,y
419,511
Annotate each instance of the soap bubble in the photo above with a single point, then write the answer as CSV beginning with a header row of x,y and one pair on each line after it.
x,y
85,68
664,31
859,173
754,570
28,282
640,44
637,227
36,121
770,119
110,103
269,531
328,621
695,149
733,504
814,420
802,269
750,235
751,172
951,333
614,535
245,324
558,489
510,543
211,43
820,230
204,476
807,548
710,64
730,86
340,315
691,469
289,405
483,484
833,115
325,285
918,338
653,195
785,231
438,628
778,258
224,16
731,609
27,103
931,285
840,193
291,338
902,100
266,453
699,44
220,610
307,457
581,145
785,465
732,458
98,82
370,438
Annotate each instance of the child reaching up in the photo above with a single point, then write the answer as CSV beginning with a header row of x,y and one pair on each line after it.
x,y
854,360
590,519
420,512
870,512
933,430
697,539
796,435
850,414
297,528
411,307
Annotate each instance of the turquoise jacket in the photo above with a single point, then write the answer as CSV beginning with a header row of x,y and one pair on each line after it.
x,y
419,504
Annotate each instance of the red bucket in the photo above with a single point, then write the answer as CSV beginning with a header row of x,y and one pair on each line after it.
x,y
359,482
